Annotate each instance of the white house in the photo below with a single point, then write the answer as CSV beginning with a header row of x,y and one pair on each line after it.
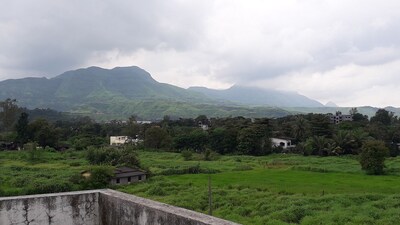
x,y
119,140
284,143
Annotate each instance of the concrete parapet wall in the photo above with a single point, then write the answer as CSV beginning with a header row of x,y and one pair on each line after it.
x,y
96,207
130,209
77,208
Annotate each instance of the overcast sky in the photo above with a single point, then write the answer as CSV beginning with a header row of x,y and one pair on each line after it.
x,y
345,51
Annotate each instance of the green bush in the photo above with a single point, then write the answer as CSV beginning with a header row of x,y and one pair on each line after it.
x,y
75,164
35,154
189,170
156,190
187,155
113,156
100,177
372,157
49,187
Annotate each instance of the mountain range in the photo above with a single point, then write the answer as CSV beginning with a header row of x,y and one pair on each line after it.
x,y
123,91
254,96
118,93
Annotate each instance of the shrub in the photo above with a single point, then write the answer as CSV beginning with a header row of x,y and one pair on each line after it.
x,y
242,168
49,187
207,154
34,154
189,170
187,155
75,164
100,177
156,190
112,156
372,157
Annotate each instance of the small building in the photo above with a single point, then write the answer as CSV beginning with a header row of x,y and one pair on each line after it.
x,y
339,117
280,142
127,175
119,140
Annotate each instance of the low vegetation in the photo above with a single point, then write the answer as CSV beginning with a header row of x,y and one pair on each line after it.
x,y
274,189
329,178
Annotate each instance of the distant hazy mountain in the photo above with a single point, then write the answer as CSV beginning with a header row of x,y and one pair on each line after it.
x,y
119,92
331,104
365,110
259,96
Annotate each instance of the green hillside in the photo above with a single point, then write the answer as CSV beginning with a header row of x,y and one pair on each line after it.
x,y
118,93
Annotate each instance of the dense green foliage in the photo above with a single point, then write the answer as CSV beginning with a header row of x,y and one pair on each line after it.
x,y
372,157
113,156
251,184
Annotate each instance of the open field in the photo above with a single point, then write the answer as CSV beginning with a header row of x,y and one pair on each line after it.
x,y
51,173
278,189
275,189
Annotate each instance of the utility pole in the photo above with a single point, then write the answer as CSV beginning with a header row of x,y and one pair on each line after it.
x,y
209,196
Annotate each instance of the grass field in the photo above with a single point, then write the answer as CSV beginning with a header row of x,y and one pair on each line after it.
x,y
19,176
278,189
274,189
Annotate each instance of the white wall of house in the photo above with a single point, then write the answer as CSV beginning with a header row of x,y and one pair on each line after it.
x,y
118,140
284,143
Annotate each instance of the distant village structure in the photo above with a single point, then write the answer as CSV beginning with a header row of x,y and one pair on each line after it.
x,y
203,126
122,140
339,117
127,175
122,175
281,142
119,140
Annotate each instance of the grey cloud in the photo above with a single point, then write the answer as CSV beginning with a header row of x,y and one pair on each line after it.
x,y
52,36
226,41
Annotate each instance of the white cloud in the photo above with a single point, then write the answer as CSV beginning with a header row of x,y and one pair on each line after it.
x,y
347,85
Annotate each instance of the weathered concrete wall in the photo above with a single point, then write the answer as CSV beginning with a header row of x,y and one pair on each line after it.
x,y
77,208
124,209
97,207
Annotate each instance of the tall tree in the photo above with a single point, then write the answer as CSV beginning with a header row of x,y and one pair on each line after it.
x,y
372,157
320,125
156,137
353,111
223,140
22,129
9,113
320,145
342,141
43,133
382,116
300,128
255,140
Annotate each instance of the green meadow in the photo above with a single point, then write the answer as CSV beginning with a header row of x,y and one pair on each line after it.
x,y
274,189
277,189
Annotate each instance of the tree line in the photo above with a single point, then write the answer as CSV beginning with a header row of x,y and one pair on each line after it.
x,y
314,134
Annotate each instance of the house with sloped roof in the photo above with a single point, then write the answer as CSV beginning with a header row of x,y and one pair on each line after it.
x,y
127,175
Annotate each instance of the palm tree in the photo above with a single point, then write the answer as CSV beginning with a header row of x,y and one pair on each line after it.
x,y
358,137
320,144
300,128
342,140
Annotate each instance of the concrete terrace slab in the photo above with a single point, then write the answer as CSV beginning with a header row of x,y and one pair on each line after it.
x,y
96,207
